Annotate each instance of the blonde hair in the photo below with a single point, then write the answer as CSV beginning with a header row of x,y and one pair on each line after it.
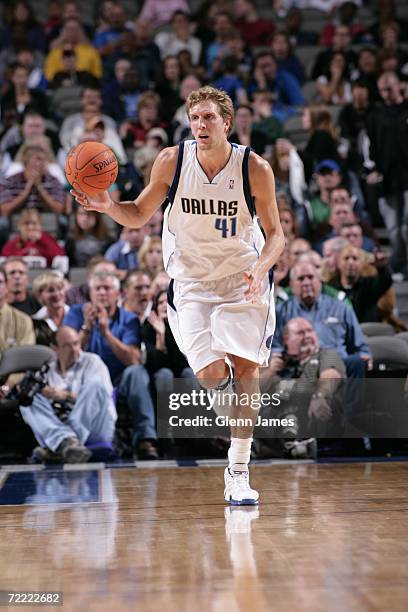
x,y
145,248
43,280
221,99
36,144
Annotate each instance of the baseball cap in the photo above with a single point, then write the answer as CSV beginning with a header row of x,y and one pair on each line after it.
x,y
327,164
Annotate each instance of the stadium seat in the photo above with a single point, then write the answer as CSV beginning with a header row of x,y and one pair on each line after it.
x,y
377,329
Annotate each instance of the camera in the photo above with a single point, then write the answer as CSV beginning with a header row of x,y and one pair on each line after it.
x,y
32,383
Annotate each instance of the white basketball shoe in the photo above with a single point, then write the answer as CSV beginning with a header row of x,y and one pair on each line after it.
x,y
237,489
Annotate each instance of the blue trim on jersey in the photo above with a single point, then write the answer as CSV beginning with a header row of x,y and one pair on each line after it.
x,y
270,278
246,186
173,188
170,295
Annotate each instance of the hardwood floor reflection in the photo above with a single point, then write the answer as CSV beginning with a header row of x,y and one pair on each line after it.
x,y
325,537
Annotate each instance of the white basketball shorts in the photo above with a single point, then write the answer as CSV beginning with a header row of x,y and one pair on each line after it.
x,y
210,320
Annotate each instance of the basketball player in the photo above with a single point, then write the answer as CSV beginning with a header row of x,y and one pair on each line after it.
x,y
221,292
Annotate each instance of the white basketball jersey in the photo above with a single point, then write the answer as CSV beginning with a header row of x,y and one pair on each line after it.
x,y
210,229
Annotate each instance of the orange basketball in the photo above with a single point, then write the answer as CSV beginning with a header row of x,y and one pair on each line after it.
x,y
91,167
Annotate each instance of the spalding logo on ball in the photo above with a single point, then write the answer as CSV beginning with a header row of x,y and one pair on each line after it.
x,y
91,167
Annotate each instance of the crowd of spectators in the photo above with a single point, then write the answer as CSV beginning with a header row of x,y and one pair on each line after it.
x,y
327,108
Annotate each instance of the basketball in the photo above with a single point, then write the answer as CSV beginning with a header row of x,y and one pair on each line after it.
x,y
91,167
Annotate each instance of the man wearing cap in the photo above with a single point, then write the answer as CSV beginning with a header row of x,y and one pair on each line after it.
x,y
328,177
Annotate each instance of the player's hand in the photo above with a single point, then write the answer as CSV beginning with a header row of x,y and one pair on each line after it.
x,y
254,278
100,203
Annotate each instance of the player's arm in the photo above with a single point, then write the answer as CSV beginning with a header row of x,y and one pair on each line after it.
x,y
137,213
262,185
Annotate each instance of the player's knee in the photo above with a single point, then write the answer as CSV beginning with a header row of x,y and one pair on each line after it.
x,y
211,376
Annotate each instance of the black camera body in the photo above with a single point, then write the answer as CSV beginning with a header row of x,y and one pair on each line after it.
x,y
32,383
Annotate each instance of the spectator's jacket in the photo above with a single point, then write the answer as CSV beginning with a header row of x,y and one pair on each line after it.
x,y
285,293
366,292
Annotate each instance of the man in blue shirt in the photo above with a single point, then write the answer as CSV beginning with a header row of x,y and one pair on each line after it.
x,y
283,86
335,323
114,334
124,252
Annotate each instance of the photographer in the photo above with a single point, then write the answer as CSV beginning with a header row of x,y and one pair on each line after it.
x,y
75,406
307,378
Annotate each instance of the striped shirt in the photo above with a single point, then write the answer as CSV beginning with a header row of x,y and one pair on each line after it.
x,y
14,185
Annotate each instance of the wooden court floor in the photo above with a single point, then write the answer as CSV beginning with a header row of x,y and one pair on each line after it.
x,y
326,537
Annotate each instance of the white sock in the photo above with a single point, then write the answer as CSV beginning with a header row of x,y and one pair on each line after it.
x,y
239,454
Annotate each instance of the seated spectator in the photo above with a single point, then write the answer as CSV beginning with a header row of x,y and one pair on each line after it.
x,y
328,178
33,126
18,295
137,294
285,56
331,250
389,37
171,42
139,48
54,26
69,76
96,265
19,20
319,371
297,247
108,39
31,240
90,236
366,70
341,212
134,134
151,256
74,124
363,292
335,323
76,405
96,128
256,32
334,85
113,333
181,121
287,217
53,167
293,26
322,142
284,87
164,361
124,252
222,26
244,132
347,13
87,57
20,98
49,290
227,76
341,42
289,175
32,60
159,12
263,119
155,224
168,87
32,188
121,93
16,329
353,233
